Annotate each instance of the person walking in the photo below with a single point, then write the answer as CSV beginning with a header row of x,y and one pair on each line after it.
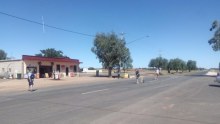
x,y
31,80
157,73
137,76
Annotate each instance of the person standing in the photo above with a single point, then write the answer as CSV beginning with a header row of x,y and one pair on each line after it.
x,y
137,76
31,80
118,73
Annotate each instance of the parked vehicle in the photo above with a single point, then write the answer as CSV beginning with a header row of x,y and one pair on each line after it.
x,y
218,78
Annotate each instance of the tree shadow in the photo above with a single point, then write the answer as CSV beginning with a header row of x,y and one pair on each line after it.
x,y
214,85
100,76
200,75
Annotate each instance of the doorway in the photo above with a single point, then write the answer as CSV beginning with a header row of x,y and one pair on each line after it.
x,y
67,71
45,70
58,68
75,68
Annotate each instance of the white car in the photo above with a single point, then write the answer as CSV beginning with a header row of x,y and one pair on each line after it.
x,y
218,78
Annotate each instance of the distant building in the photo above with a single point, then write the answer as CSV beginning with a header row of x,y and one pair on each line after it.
x,y
86,70
43,67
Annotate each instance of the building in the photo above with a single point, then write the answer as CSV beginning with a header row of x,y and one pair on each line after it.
x,y
11,68
43,67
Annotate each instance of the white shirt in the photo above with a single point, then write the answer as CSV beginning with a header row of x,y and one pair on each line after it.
x,y
29,75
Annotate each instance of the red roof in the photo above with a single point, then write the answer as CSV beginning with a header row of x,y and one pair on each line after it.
x,y
38,58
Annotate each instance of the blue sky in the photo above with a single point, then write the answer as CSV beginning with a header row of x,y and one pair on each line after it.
x,y
176,28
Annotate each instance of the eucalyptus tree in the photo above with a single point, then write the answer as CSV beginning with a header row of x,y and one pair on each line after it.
x,y
126,60
111,51
51,52
3,55
176,64
158,62
170,66
191,65
215,40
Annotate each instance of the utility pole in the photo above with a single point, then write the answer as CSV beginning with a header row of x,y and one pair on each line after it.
x,y
119,64
43,24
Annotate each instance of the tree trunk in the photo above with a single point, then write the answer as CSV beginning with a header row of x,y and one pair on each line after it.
x,y
109,71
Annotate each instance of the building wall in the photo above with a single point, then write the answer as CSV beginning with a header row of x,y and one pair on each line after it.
x,y
30,64
15,67
86,70
12,67
63,66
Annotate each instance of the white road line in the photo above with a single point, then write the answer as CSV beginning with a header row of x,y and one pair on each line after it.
x,y
94,91
159,80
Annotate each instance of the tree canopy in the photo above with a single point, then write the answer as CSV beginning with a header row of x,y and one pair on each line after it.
x,y
50,52
158,62
111,51
176,64
173,64
191,65
3,55
215,40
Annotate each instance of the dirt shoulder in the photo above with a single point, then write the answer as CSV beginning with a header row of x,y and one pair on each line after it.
x,y
15,85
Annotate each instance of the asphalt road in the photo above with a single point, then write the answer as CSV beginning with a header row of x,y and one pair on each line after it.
x,y
173,99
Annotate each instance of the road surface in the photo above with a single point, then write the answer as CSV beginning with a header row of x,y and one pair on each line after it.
x,y
173,99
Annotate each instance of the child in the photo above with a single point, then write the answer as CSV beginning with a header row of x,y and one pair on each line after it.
x,y
137,76
157,74
31,80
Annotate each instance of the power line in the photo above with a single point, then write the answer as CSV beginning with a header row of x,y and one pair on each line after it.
x,y
46,25
62,29
140,38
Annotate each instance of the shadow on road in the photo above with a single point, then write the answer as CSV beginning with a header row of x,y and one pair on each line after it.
x,y
201,75
214,85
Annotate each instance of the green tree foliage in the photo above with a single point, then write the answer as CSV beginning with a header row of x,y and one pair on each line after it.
x,y
215,41
169,66
158,62
3,55
191,65
176,64
51,52
111,51
126,60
